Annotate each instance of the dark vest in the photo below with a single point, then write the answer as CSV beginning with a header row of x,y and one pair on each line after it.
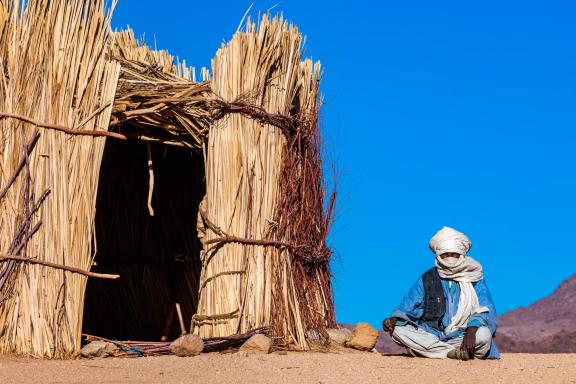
x,y
434,300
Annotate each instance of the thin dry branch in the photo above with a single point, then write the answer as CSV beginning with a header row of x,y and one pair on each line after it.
x,y
242,240
58,266
61,128
29,148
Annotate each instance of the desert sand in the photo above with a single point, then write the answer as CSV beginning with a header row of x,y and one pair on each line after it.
x,y
292,368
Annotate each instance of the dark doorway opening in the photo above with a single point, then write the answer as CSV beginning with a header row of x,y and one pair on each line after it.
x,y
157,257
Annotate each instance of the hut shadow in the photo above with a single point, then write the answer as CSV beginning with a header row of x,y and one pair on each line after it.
x,y
157,257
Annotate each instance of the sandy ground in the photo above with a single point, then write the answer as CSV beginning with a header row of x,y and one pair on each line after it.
x,y
293,368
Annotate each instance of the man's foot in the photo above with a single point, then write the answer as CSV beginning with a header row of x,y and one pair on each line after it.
x,y
458,354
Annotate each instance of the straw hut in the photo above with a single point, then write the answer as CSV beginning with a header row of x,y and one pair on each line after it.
x,y
127,186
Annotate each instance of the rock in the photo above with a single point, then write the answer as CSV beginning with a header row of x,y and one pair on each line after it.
x,y
315,336
257,345
187,345
98,349
339,335
363,337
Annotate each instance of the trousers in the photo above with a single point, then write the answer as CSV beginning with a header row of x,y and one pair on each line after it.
x,y
424,344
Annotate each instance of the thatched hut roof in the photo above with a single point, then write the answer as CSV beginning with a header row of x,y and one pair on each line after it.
x,y
158,96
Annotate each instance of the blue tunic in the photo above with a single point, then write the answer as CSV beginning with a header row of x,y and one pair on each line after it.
x,y
411,310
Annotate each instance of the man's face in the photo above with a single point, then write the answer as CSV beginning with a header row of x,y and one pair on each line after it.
x,y
449,254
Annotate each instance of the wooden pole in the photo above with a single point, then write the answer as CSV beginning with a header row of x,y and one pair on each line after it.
x,y
180,319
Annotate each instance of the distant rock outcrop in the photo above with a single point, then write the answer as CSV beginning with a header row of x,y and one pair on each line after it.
x,y
547,326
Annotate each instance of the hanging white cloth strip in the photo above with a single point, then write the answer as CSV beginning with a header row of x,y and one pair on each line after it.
x,y
465,270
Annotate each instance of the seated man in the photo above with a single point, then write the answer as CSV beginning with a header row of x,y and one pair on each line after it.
x,y
448,312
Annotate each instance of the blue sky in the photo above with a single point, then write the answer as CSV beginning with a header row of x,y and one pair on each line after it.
x,y
437,113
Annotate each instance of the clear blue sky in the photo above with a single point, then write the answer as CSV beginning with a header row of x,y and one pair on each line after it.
x,y
437,113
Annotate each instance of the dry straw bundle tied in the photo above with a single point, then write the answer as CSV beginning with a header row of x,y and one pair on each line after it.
x,y
53,69
250,167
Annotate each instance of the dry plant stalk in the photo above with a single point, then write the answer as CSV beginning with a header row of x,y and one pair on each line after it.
x,y
53,69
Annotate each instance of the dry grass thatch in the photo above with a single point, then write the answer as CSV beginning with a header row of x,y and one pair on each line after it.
x,y
263,221
158,96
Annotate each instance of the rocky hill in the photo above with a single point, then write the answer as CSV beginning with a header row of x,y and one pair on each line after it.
x,y
547,326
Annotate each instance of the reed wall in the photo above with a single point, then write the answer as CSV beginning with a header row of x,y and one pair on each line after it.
x,y
53,69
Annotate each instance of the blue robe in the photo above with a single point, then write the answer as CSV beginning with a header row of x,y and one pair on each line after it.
x,y
411,310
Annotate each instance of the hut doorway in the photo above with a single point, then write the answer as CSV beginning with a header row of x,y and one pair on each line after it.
x,y
157,257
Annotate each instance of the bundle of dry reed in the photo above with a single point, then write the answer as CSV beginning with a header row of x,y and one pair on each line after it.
x,y
53,69
162,65
249,269
158,95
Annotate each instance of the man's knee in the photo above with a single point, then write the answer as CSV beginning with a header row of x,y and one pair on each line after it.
x,y
398,332
403,332
483,336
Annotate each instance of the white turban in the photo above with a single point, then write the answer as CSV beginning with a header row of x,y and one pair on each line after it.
x,y
450,240
464,269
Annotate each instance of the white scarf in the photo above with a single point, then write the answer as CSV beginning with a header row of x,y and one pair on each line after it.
x,y
465,270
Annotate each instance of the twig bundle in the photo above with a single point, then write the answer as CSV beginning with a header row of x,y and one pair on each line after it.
x,y
158,348
304,220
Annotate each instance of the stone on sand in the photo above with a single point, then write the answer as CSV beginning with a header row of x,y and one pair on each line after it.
x,y
98,349
339,335
257,345
187,345
363,337
314,335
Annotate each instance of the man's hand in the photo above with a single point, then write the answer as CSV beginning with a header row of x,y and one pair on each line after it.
x,y
469,341
389,324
